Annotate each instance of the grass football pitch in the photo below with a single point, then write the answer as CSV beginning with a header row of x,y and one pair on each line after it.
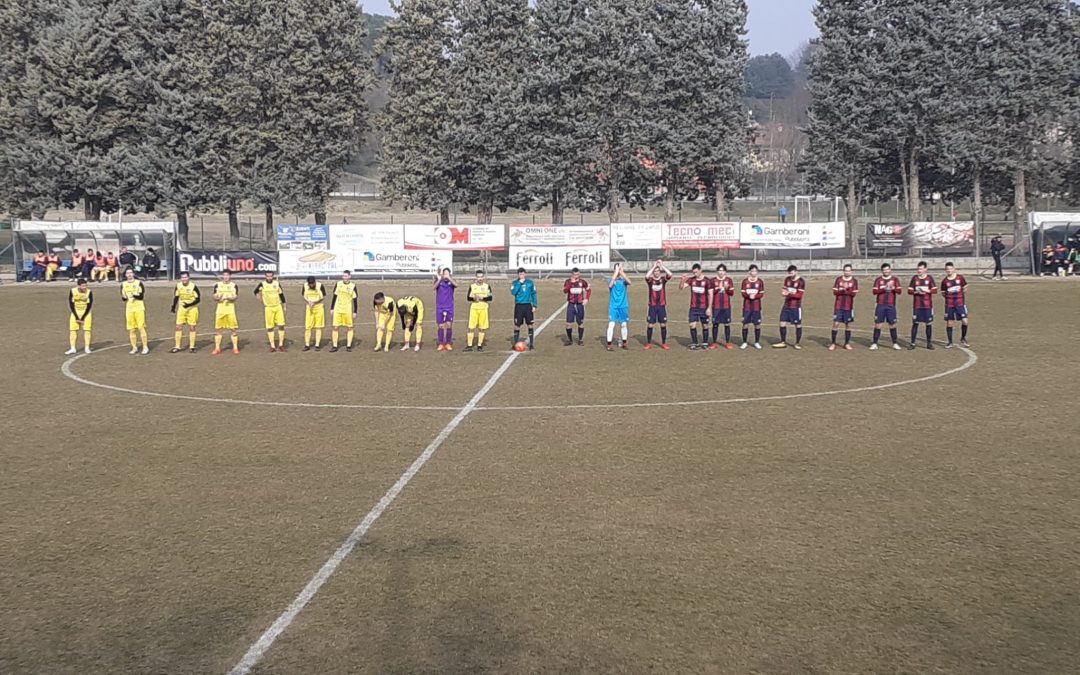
x,y
745,511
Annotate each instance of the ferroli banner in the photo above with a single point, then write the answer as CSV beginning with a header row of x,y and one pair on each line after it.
x,y
792,235
456,237
560,257
700,235
239,263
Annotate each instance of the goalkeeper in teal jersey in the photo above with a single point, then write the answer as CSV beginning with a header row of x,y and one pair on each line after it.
x,y
525,303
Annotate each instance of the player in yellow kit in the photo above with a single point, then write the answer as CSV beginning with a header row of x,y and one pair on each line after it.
x,y
411,310
273,299
479,296
343,306
314,313
225,315
132,292
185,306
80,301
385,316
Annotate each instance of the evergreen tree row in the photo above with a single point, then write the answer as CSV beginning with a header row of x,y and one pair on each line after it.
x,y
582,104
179,105
966,98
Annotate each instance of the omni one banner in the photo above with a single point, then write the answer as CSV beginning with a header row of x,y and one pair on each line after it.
x,y
560,247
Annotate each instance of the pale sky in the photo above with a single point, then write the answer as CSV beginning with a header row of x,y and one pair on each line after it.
x,y
774,25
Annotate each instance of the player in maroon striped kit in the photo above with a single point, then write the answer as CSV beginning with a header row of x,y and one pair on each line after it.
x,y
793,290
923,288
700,306
723,289
886,290
753,290
656,282
578,295
954,288
845,289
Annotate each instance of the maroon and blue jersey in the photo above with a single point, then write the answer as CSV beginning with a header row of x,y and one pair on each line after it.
x,y
886,290
699,292
923,300
796,289
723,289
577,292
953,290
657,289
752,292
845,290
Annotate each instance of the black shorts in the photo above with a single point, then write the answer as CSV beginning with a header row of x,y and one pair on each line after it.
x,y
523,314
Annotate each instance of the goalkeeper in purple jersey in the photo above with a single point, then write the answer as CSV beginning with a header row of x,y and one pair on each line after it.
x,y
444,308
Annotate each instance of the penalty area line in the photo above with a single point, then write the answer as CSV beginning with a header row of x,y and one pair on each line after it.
x,y
261,646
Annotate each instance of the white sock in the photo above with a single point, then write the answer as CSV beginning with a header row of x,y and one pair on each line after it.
x,y
610,330
624,331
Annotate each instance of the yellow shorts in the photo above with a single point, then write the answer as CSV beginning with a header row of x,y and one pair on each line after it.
x,y
275,316
315,317
88,323
187,317
478,318
226,321
386,322
343,319
136,319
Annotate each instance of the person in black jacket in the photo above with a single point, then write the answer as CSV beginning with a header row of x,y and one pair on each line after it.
x,y
151,263
997,249
127,261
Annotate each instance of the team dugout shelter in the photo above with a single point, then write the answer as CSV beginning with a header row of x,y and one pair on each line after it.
x,y
64,237
1050,228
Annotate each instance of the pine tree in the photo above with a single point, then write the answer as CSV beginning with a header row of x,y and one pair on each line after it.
x,y
416,157
489,122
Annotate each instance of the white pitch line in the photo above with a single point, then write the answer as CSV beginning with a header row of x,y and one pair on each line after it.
x,y
258,650
972,358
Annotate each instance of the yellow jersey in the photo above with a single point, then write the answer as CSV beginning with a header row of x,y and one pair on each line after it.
x,y
314,294
271,293
133,292
80,302
187,294
482,291
387,307
411,305
227,293
344,301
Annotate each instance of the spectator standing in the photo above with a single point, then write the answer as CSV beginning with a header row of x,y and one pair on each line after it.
x,y
997,250
151,263
782,214
127,260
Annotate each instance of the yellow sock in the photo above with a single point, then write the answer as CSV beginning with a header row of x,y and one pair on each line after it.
x,y
318,336
389,339
419,334
86,338
192,337
133,335
349,338
236,342
408,336
73,338
334,337
281,336
142,334
379,337
217,341
468,339
307,338
480,340
270,337
179,337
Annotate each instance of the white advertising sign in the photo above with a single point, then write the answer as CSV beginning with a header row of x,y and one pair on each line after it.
x,y
560,257
560,235
377,261
366,237
700,235
792,235
455,237
636,235
93,226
